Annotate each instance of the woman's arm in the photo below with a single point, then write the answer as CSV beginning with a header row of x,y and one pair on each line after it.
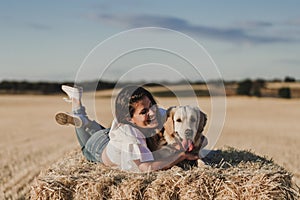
x,y
166,163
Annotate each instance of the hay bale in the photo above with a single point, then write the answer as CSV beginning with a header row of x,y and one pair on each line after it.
x,y
229,174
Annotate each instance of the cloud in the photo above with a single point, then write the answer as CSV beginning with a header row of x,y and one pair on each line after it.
x,y
38,26
254,24
232,35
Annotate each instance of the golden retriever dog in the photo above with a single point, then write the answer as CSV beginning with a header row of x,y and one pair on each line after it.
x,y
185,125
183,130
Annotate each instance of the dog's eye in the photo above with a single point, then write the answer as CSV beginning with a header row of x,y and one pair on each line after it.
x,y
178,120
193,119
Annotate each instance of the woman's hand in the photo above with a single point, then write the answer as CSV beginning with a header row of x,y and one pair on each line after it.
x,y
189,156
165,163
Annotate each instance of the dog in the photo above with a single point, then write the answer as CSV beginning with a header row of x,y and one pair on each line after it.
x,y
184,125
182,130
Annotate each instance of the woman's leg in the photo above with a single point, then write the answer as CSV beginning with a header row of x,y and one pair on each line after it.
x,y
95,146
91,135
88,127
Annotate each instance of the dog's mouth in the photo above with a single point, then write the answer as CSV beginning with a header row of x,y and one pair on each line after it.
x,y
187,144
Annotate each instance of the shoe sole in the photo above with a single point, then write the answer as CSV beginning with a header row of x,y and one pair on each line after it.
x,y
63,118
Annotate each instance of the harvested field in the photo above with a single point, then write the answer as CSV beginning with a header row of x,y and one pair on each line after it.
x,y
31,141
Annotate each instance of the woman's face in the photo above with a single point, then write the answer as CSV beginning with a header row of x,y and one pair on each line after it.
x,y
144,115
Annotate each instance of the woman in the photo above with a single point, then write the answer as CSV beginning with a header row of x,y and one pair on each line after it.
x,y
124,144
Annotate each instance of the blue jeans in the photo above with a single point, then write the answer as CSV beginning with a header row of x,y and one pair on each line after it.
x,y
92,138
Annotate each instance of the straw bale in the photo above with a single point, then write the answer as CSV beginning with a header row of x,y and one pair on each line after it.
x,y
228,174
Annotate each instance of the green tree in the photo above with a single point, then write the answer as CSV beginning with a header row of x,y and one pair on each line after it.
x,y
289,79
244,87
284,92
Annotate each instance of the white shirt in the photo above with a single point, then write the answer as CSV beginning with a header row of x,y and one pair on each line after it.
x,y
127,144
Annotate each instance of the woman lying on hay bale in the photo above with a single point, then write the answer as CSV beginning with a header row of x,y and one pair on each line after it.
x,y
124,145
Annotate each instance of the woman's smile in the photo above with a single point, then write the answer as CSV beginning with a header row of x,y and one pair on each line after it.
x,y
144,115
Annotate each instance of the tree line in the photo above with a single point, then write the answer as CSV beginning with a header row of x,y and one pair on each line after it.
x,y
245,87
24,87
254,88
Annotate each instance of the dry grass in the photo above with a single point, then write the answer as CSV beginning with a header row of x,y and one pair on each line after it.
x,y
229,174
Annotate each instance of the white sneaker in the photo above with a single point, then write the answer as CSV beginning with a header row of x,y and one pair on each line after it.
x,y
72,92
64,118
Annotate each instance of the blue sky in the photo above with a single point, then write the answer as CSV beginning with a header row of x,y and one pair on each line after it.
x,y
48,40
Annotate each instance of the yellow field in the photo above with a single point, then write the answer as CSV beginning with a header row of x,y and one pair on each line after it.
x,y
31,140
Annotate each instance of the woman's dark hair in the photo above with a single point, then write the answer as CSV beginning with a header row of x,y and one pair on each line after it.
x,y
129,95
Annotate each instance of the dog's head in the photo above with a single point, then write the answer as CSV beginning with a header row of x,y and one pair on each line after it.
x,y
185,125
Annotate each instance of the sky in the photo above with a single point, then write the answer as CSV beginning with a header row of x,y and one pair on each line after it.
x,y
52,40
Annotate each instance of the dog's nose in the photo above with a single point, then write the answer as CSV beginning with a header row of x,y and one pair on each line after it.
x,y
188,133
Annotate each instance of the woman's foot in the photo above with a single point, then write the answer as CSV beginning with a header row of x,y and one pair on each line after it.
x,y
64,118
74,93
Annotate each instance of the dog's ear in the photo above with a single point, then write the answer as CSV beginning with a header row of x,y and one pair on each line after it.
x,y
204,142
171,110
199,139
203,120
169,124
